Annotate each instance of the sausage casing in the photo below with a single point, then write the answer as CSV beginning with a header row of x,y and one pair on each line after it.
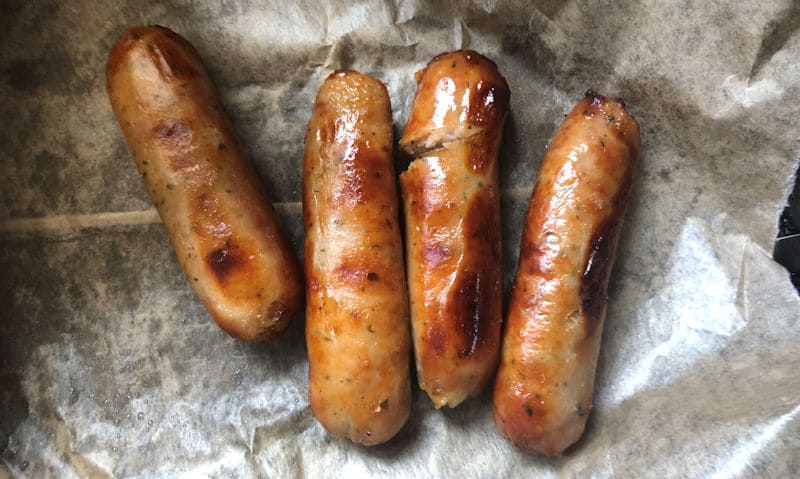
x,y
357,328
543,390
223,229
452,211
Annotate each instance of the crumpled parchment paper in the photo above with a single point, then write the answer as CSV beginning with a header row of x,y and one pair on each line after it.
x,y
110,367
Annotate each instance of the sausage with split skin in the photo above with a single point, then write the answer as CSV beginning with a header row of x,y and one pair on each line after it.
x,y
223,229
357,328
543,390
452,211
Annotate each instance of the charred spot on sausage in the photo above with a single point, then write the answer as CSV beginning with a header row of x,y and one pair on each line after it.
x,y
222,261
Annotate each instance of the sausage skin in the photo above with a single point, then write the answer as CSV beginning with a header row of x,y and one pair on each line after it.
x,y
543,391
223,229
357,328
452,210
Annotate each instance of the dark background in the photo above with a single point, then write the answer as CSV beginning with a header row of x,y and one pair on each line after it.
x,y
787,244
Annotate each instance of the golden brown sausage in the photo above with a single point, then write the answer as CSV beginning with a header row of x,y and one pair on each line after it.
x,y
452,211
357,328
224,230
543,391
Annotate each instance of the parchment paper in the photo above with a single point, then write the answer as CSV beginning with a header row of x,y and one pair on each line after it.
x,y
110,366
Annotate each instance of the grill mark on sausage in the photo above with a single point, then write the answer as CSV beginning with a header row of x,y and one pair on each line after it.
x,y
165,68
170,59
482,228
224,261
594,284
435,253
600,256
534,257
475,291
358,275
470,308
488,103
225,258
173,133
357,182
348,273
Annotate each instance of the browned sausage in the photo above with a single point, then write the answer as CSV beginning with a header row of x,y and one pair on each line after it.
x,y
452,211
224,230
543,391
357,327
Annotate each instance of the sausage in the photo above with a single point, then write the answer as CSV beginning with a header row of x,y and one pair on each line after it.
x,y
223,229
543,390
452,212
357,327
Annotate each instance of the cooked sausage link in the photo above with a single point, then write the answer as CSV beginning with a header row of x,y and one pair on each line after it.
x,y
357,328
543,391
223,229
452,211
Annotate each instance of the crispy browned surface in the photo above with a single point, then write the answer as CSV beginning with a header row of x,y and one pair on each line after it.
x,y
357,327
221,224
543,391
459,94
452,210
